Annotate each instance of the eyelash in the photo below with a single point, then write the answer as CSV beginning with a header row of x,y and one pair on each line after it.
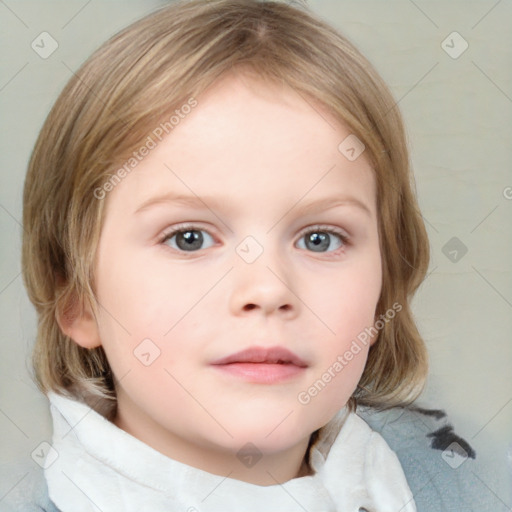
x,y
179,228
345,239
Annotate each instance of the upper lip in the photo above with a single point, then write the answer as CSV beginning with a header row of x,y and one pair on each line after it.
x,y
270,355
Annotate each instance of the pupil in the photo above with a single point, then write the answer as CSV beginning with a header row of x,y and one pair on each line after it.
x,y
187,240
318,241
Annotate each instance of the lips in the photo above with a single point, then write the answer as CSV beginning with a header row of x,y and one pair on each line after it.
x,y
262,366
260,355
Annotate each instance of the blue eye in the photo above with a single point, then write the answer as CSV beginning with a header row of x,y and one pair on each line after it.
x,y
188,239
322,240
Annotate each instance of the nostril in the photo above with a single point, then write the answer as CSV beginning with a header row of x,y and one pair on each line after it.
x,y
250,307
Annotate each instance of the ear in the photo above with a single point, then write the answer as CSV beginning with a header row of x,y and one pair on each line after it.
x,y
77,321
374,339
377,336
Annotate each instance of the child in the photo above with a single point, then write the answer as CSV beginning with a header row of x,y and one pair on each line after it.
x,y
221,241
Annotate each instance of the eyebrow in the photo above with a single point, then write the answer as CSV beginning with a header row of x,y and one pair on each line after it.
x,y
193,201
209,202
332,202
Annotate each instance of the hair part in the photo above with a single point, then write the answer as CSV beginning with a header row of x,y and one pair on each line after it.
x,y
138,78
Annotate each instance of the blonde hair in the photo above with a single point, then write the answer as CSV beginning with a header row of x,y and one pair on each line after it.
x,y
139,77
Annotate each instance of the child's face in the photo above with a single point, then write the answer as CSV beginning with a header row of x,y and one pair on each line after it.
x,y
258,165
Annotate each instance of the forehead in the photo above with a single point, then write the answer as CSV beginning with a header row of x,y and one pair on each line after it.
x,y
263,140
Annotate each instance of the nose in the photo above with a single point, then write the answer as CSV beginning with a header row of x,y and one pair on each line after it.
x,y
263,286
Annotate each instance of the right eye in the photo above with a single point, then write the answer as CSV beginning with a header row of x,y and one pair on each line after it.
x,y
188,239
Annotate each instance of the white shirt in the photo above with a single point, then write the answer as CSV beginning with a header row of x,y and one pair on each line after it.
x,y
96,466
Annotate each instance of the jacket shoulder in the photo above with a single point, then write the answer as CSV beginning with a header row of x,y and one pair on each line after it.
x,y
439,465
24,489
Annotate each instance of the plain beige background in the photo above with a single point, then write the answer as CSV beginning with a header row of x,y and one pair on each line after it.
x,y
458,110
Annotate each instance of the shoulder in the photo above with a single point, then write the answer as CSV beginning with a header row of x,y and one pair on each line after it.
x,y
24,489
439,465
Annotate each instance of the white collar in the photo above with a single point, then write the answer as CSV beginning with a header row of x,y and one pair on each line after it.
x,y
101,467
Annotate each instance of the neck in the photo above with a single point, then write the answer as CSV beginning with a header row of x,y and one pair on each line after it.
x,y
272,468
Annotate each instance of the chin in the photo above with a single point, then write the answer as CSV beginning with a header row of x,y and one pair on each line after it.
x,y
270,434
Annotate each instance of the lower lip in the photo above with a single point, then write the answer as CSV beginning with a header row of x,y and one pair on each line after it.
x,y
263,373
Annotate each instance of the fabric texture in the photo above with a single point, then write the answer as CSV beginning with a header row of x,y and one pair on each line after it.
x,y
420,438
100,466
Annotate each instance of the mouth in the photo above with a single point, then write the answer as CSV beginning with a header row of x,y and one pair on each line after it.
x,y
262,365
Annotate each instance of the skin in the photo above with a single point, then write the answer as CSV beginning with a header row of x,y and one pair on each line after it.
x,y
256,154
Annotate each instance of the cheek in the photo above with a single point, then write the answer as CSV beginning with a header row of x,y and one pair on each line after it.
x,y
349,298
149,313
346,305
148,298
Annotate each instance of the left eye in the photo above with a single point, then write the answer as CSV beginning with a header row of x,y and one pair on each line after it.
x,y
321,241
188,239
